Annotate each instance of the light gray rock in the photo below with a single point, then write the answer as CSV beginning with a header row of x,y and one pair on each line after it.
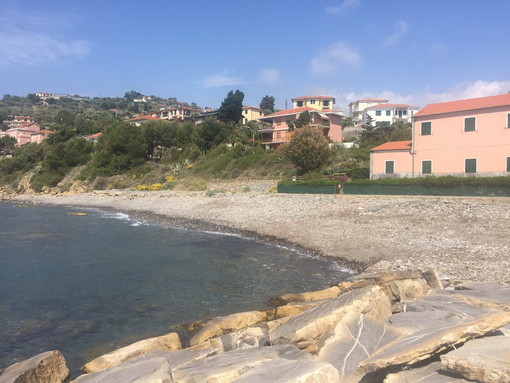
x,y
247,338
409,322
152,370
484,294
423,344
431,373
310,329
291,371
446,302
47,367
485,360
228,366
356,338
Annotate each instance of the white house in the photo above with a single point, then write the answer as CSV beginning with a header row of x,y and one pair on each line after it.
x,y
389,113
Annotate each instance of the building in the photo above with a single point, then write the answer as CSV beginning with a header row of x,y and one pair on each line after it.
x,y
315,102
460,138
357,108
389,113
250,113
142,119
26,132
180,113
277,129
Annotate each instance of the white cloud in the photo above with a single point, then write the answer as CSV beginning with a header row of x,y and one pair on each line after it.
x,y
270,76
401,28
346,6
27,48
222,79
459,92
336,56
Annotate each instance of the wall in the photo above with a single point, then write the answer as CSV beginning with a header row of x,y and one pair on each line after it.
x,y
403,163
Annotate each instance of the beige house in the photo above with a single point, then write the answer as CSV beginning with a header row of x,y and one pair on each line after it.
x,y
357,108
315,102
250,113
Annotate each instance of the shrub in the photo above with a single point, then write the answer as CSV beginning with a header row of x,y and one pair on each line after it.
x,y
316,182
168,185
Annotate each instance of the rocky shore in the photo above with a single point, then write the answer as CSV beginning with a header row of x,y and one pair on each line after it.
x,y
461,238
395,327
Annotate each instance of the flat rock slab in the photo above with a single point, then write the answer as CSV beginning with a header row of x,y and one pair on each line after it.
x,y
446,301
485,360
310,329
423,344
166,342
228,366
47,367
429,374
140,371
291,371
410,322
356,338
484,294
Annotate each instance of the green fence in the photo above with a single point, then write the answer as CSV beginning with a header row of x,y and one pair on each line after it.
x,y
308,189
463,191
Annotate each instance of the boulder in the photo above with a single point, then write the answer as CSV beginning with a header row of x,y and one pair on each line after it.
x,y
228,366
484,294
291,371
430,373
247,338
153,370
330,292
424,344
310,329
292,309
223,325
47,367
356,338
165,342
485,360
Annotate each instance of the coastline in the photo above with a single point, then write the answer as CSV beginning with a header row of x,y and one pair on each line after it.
x,y
462,238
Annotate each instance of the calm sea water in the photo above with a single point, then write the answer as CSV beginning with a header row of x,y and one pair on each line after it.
x,y
88,284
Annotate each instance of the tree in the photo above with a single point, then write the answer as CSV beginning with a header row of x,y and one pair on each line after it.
x,y
301,121
131,95
236,134
308,149
231,108
7,145
32,97
267,104
209,134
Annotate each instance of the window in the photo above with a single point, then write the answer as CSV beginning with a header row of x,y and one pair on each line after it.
x,y
469,124
388,112
404,113
426,128
508,164
377,112
246,111
390,167
470,165
312,102
300,104
508,121
325,103
426,167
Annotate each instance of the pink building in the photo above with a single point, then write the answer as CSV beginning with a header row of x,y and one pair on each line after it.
x,y
279,131
460,138
26,132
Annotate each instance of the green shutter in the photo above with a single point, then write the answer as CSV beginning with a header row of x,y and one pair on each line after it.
x,y
470,165
508,121
469,124
426,128
426,167
508,164
390,167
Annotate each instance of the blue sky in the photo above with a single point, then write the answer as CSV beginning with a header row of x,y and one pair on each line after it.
x,y
412,51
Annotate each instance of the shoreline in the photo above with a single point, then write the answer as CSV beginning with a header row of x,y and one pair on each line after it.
x,y
463,238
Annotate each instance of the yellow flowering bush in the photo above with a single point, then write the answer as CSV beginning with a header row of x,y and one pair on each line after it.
x,y
169,179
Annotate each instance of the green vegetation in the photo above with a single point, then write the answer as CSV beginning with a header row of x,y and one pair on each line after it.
x,y
447,181
316,182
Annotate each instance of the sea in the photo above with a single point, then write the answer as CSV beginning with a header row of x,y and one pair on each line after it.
x,y
88,283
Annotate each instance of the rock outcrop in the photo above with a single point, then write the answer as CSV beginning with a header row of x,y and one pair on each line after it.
x,y
48,367
396,327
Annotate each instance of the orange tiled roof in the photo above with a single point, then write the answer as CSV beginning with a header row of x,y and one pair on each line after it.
x,y
464,105
44,131
393,145
92,136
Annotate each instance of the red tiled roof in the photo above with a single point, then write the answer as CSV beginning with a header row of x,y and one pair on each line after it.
x,y
393,145
97,135
45,131
291,111
391,106
312,97
464,105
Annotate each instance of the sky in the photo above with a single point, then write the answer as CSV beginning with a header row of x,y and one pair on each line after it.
x,y
407,51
